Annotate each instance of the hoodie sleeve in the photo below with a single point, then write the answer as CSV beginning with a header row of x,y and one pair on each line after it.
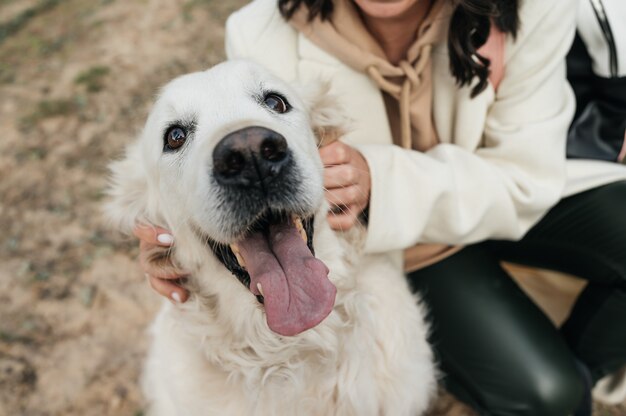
x,y
453,195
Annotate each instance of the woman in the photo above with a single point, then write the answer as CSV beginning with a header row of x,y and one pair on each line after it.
x,y
472,166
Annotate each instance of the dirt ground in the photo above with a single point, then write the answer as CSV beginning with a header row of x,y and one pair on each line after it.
x,y
76,82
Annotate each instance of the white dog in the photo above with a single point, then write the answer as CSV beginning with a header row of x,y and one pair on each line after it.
x,y
228,162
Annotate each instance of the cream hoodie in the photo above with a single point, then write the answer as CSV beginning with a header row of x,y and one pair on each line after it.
x,y
499,165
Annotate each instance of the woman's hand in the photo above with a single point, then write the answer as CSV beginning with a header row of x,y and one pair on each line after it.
x,y
160,271
347,184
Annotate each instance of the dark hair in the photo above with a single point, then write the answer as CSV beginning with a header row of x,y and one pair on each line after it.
x,y
469,29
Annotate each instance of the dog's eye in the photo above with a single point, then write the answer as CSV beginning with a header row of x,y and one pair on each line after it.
x,y
175,137
276,103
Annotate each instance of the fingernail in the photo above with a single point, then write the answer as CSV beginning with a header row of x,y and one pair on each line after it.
x,y
176,297
165,239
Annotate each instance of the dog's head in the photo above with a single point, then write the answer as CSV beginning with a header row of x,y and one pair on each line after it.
x,y
230,155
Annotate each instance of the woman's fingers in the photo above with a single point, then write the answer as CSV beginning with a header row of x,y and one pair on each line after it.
x,y
169,289
162,273
340,175
153,235
344,219
155,261
347,182
336,153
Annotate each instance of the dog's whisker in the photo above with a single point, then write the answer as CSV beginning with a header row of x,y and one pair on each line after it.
x,y
342,203
363,194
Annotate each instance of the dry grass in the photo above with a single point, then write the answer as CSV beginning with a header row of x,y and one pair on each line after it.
x,y
76,80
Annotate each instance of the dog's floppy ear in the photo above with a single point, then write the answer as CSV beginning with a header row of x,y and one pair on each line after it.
x,y
328,120
127,192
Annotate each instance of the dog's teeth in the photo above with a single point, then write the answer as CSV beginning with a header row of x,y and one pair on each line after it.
x,y
235,250
258,286
297,222
240,260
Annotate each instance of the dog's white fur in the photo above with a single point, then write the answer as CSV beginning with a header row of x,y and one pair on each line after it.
x,y
215,355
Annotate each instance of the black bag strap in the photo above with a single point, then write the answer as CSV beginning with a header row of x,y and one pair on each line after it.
x,y
607,32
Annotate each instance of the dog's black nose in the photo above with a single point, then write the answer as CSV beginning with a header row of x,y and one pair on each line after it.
x,y
250,156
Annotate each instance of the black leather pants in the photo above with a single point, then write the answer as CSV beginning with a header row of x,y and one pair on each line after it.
x,y
497,350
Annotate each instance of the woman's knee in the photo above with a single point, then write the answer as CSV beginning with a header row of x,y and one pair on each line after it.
x,y
557,389
554,389
550,399
554,392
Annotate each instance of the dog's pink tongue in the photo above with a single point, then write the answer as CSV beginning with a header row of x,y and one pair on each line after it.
x,y
296,290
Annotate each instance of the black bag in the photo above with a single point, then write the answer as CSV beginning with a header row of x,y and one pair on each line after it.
x,y
599,126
